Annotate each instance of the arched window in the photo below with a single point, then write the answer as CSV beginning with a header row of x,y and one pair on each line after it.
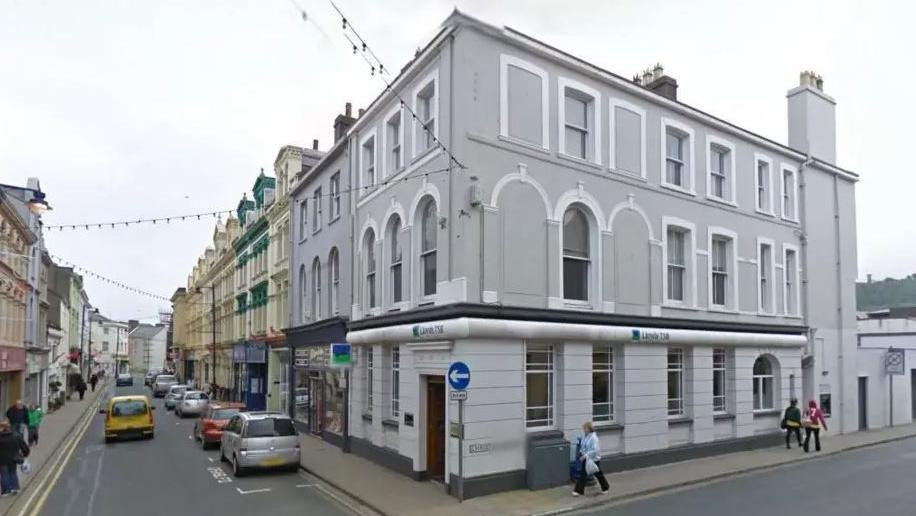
x,y
316,289
576,255
333,281
395,262
369,251
428,244
764,384
302,294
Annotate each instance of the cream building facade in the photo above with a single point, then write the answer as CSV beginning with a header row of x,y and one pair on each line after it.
x,y
209,295
15,239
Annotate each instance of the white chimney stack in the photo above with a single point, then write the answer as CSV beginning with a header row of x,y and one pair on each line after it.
x,y
812,118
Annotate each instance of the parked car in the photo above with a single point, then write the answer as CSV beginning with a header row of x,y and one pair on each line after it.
x,y
128,415
260,440
209,427
174,395
162,384
151,376
191,403
124,379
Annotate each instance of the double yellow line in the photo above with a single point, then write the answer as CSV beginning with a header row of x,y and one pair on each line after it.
x,y
33,506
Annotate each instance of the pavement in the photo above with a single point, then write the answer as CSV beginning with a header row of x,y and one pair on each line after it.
x,y
384,491
873,481
55,428
169,474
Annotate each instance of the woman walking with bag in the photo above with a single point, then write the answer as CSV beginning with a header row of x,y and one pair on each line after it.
x,y
591,460
814,419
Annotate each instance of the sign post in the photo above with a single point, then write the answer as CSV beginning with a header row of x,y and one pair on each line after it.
x,y
459,377
894,364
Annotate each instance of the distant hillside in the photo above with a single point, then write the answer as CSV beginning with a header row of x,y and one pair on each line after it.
x,y
887,293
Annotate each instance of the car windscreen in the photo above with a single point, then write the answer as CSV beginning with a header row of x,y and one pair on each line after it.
x,y
178,390
195,396
128,408
270,427
224,413
166,379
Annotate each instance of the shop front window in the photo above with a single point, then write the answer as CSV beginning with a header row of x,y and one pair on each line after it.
x,y
333,404
301,411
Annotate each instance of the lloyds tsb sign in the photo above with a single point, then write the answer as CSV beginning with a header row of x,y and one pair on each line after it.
x,y
427,330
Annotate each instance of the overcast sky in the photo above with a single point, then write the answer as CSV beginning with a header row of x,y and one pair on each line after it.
x,y
134,109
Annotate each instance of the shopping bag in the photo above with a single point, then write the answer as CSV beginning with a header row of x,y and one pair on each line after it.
x,y
590,467
25,467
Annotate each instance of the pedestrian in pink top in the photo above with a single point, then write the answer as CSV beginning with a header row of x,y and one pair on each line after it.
x,y
814,420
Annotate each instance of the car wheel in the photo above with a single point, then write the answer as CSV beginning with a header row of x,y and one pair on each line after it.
x,y
237,471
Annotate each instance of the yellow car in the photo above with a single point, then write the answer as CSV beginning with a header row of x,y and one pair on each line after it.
x,y
128,415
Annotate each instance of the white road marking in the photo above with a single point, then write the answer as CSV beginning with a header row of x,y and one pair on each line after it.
x,y
219,475
306,485
210,459
250,491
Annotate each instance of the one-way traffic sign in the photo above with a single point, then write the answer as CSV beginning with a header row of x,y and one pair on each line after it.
x,y
459,376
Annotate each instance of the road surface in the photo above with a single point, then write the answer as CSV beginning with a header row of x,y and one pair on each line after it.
x,y
171,475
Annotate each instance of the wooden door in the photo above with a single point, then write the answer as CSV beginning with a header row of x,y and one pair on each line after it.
x,y
435,427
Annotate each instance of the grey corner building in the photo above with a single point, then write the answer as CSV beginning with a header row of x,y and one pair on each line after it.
x,y
604,253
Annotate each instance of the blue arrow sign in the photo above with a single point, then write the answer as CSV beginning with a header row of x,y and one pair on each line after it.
x,y
459,376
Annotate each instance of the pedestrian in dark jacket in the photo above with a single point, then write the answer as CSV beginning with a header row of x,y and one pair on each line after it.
x,y
791,421
81,388
13,451
94,379
18,416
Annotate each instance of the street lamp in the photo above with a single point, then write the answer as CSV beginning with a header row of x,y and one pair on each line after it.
x,y
212,334
37,204
89,363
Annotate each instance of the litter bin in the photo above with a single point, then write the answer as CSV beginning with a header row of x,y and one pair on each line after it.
x,y
548,460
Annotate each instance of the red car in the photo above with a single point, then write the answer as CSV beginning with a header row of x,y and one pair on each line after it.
x,y
209,428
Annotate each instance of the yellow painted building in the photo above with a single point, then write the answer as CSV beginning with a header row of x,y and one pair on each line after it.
x,y
208,296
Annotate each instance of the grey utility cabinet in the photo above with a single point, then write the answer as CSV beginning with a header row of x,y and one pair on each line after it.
x,y
548,459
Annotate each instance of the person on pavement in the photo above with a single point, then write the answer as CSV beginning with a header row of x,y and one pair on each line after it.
x,y
18,416
35,417
590,452
13,451
791,421
94,379
81,388
814,420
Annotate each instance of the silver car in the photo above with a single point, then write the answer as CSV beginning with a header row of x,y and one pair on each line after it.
x,y
162,383
175,393
191,403
260,440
